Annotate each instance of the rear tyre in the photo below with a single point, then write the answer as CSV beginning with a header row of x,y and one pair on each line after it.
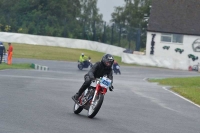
x,y
77,108
95,107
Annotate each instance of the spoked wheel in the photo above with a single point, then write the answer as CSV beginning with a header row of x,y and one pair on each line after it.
x,y
77,108
95,107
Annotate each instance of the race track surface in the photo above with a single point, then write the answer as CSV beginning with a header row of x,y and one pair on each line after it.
x,y
33,101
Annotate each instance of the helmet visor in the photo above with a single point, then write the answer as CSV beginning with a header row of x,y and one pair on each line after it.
x,y
108,63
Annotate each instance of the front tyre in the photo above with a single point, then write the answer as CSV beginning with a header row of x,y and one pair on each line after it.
x,y
80,66
118,71
95,107
77,108
91,65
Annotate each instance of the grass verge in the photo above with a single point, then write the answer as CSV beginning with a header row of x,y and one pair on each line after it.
x,y
187,87
51,53
15,66
55,53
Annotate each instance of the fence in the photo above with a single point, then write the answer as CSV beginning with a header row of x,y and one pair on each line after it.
x,y
61,42
110,33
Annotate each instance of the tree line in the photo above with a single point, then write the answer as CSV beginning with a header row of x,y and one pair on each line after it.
x,y
78,19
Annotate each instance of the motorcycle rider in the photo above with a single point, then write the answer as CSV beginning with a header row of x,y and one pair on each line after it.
x,y
2,51
115,65
99,69
83,59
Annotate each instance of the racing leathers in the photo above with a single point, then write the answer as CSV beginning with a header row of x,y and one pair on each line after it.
x,y
98,70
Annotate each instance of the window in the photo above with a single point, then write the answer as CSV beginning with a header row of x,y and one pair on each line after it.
x,y
174,38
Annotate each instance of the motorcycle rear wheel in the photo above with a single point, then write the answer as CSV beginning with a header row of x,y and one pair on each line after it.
x,y
94,109
77,108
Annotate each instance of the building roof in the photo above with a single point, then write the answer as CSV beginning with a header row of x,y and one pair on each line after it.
x,y
175,16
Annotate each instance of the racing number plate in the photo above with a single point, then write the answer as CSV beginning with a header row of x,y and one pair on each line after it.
x,y
105,82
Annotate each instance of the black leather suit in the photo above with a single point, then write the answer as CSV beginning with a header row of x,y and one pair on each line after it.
x,y
98,70
2,51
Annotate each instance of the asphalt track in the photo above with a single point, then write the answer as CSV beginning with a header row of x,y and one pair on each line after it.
x,y
33,101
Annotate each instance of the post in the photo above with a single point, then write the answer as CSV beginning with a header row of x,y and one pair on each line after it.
x,y
65,21
84,30
112,34
138,39
120,31
94,32
104,34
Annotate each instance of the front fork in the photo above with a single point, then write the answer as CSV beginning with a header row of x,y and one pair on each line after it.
x,y
95,94
98,90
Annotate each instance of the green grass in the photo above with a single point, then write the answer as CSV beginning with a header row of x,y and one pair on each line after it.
x,y
187,87
51,53
56,53
15,66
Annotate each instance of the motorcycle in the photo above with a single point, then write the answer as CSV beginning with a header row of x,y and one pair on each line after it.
x,y
117,70
84,64
92,98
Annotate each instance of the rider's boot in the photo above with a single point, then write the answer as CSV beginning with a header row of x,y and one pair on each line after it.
x,y
75,97
85,85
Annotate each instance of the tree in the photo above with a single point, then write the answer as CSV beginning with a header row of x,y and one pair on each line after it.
x,y
132,15
90,18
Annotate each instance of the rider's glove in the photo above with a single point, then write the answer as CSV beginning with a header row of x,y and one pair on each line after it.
x,y
92,78
111,88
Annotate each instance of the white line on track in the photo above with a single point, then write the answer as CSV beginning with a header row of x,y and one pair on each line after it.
x,y
41,71
44,78
3,70
181,96
145,79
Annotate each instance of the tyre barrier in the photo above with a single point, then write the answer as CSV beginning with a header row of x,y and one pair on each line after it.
x,y
39,67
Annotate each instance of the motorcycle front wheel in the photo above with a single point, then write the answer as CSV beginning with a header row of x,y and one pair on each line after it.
x,y
91,65
95,106
77,108
80,66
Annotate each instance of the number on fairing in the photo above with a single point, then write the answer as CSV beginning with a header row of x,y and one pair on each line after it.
x,y
105,82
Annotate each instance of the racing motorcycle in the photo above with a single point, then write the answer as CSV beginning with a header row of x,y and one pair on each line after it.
x,y
117,70
92,98
85,64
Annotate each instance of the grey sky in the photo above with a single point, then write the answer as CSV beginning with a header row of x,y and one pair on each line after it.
x,y
106,7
